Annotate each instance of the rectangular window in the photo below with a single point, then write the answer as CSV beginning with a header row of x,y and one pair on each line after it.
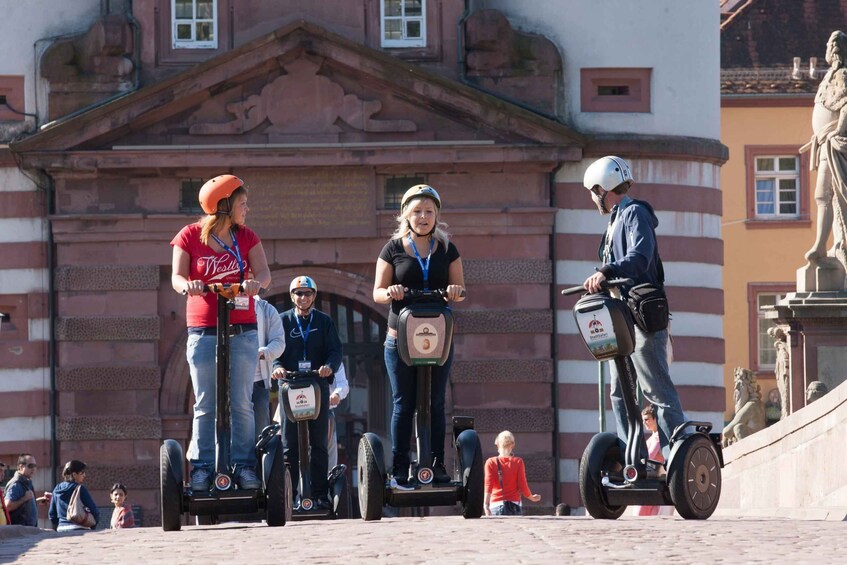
x,y
777,186
195,24
766,351
189,192
396,187
403,23
615,89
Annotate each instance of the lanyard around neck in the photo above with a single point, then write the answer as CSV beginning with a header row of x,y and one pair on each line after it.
x,y
234,251
304,335
424,266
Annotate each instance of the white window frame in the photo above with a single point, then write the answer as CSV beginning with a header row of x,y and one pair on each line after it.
x,y
193,43
776,176
764,342
405,41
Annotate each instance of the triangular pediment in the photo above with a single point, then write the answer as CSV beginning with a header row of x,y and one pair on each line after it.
x,y
304,86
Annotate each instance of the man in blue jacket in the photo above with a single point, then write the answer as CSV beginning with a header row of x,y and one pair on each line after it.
x,y
311,343
629,250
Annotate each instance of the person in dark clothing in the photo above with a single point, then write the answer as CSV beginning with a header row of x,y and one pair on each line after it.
x,y
19,495
418,256
630,250
311,343
74,475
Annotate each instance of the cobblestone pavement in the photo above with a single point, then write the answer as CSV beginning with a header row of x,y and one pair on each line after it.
x,y
448,540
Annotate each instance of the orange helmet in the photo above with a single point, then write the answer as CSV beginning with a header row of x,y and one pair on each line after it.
x,y
216,189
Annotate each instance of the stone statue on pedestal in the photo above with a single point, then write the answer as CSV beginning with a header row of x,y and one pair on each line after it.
x,y
749,410
782,366
826,270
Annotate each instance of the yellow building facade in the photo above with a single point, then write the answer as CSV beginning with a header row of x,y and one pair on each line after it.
x,y
763,248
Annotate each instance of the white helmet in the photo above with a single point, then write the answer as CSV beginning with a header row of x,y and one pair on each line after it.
x,y
608,173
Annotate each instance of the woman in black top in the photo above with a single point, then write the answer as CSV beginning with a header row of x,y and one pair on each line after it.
x,y
418,256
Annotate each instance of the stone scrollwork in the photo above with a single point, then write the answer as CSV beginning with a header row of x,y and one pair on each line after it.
x,y
302,102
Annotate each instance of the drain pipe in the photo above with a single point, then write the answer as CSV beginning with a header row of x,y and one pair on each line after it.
x,y
50,208
554,347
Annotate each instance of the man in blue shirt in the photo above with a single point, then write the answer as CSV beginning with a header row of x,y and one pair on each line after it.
x,y
20,494
630,250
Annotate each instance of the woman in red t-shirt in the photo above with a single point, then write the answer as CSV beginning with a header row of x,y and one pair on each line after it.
x,y
505,480
220,249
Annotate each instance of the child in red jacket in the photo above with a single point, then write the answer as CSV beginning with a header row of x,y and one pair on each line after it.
x,y
505,480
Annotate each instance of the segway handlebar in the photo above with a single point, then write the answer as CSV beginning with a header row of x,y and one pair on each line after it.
x,y
605,285
292,376
218,288
417,294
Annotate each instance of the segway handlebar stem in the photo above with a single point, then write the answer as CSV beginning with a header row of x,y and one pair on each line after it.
x,y
605,285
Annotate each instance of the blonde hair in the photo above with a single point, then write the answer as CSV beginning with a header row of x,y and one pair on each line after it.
x,y
403,228
210,222
505,441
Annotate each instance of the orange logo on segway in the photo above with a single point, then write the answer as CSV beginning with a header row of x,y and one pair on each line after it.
x,y
306,504
301,400
223,482
425,476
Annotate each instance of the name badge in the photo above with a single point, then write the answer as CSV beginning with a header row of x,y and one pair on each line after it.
x,y
241,302
304,365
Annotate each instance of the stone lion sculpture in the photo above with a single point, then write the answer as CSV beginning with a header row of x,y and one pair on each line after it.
x,y
749,411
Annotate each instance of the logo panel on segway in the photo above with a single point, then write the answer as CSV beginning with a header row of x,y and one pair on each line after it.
x,y
223,482
306,504
598,332
425,475
302,402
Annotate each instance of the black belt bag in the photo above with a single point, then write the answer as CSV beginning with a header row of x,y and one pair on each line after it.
x,y
649,306
234,329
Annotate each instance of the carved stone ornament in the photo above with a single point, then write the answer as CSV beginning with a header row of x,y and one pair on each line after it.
x,y
749,411
302,102
783,362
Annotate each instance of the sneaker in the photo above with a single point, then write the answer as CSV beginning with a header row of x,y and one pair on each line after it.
x,y
399,483
201,480
439,472
323,503
248,480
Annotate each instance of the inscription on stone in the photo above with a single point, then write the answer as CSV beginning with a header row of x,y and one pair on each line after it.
x,y
307,204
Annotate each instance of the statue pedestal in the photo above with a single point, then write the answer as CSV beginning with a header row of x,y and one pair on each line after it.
x,y
816,326
822,275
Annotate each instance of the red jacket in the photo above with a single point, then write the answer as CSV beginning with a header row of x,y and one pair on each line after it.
x,y
514,479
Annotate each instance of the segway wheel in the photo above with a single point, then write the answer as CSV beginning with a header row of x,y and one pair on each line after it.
x,y
341,498
275,492
694,478
170,466
469,452
601,457
371,482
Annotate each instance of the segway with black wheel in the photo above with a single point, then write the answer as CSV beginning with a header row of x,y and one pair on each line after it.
x,y
424,337
300,398
613,474
272,500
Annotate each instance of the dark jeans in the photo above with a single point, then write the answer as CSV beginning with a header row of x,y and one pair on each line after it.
x,y
318,430
404,382
261,406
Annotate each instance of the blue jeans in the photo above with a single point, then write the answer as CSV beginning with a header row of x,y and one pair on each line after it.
x,y
332,442
404,382
261,406
200,351
318,431
650,359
